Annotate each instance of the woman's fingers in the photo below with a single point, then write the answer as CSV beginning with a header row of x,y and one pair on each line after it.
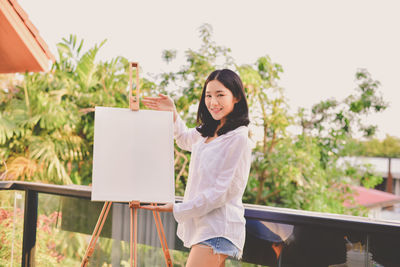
x,y
151,98
162,102
155,99
148,101
151,104
154,107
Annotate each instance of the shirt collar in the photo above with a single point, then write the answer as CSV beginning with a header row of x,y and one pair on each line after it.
x,y
239,130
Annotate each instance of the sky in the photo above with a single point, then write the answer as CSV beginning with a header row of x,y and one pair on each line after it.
x,y
319,43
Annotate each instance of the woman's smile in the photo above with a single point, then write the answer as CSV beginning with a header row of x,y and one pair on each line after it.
x,y
215,110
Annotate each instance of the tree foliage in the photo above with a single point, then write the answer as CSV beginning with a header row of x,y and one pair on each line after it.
x,y
333,122
47,120
373,147
269,112
299,171
187,83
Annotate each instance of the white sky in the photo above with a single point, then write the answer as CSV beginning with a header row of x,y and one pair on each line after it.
x,y
319,43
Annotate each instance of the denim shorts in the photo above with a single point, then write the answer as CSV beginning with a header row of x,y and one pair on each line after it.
x,y
221,245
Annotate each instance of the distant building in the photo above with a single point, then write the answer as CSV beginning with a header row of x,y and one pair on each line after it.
x,y
384,167
381,203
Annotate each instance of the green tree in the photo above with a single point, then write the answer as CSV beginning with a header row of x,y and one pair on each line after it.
x,y
269,112
286,169
333,122
388,147
185,87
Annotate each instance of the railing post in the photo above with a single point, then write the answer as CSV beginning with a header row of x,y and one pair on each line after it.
x,y
30,224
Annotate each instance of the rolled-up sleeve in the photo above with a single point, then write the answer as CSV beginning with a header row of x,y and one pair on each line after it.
x,y
185,137
216,194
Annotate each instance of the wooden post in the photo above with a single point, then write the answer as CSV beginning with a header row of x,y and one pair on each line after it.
x,y
389,182
134,102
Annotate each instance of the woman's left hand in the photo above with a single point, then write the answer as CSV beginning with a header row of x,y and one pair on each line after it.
x,y
163,208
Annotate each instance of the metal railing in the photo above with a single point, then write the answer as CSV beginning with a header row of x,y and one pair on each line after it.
x,y
275,236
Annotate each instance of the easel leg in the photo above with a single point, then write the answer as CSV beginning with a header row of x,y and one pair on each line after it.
x,y
161,235
134,205
96,233
135,233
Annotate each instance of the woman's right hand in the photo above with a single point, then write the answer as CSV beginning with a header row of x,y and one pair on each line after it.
x,y
162,102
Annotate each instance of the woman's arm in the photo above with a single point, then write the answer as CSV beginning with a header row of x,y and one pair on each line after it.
x,y
164,208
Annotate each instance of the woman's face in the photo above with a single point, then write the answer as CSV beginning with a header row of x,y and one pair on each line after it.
x,y
219,100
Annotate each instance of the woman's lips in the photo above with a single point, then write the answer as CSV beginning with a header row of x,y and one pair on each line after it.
x,y
217,110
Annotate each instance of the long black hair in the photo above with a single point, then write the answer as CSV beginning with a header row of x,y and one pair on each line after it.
x,y
240,113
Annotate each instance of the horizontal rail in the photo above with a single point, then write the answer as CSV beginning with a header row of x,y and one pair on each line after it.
x,y
257,212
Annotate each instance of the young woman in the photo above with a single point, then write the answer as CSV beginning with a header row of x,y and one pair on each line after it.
x,y
211,217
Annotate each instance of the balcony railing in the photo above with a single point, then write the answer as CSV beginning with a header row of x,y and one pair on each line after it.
x,y
51,225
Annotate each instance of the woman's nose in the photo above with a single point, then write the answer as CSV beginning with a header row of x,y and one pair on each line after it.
x,y
214,101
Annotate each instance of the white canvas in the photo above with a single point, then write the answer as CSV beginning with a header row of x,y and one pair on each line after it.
x,y
133,156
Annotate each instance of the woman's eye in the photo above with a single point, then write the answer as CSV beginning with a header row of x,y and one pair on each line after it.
x,y
220,95
208,96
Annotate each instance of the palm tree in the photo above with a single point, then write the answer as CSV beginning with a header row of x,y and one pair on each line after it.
x,y
47,120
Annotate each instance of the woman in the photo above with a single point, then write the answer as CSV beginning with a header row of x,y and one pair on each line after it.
x,y
211,217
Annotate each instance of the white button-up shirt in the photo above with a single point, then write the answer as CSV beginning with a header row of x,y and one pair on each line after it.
x,y
218,174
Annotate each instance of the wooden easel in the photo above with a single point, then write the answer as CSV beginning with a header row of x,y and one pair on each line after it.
x,y
133,205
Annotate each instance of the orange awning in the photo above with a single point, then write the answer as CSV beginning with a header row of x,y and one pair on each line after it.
x,y
21,47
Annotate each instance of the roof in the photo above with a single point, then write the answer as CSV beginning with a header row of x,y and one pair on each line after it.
x,y
373,198
21,47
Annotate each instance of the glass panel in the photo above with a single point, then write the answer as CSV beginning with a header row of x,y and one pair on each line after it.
x,y
11,225
65,226
275,244
384,249
64,229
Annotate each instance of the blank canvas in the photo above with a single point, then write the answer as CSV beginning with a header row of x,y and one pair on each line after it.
x,y
133,156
